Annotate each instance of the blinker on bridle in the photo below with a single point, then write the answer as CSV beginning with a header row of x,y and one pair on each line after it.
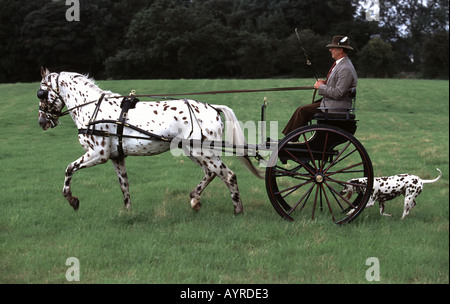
x,y
41,94
51,114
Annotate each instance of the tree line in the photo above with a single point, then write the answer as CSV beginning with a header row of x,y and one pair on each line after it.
x,y
137,39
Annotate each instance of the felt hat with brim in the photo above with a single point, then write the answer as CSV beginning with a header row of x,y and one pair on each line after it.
x,y
340,42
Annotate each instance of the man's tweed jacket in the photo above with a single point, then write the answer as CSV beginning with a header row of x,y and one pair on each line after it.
x,y
335,92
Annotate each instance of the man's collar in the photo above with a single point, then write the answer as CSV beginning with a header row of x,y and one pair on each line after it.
x,y
339,60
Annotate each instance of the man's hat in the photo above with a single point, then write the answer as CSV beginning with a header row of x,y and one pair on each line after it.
x,y
340,42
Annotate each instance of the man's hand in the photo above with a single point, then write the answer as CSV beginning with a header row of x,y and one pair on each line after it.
x,y
319,83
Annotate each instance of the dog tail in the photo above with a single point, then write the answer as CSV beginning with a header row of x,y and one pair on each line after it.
x,y
434,180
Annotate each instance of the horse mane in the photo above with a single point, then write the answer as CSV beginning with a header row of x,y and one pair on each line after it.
x,y
89,81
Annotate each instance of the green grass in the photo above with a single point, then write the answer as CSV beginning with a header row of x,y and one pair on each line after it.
x,y
403,124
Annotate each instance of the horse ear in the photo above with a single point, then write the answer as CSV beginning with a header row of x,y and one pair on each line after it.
x,y
44,72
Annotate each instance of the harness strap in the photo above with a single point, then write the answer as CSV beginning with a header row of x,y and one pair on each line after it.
x,y
97,108
192,114
109,134
93,132
128,102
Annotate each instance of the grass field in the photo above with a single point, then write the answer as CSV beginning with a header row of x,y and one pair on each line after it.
x,y
404,125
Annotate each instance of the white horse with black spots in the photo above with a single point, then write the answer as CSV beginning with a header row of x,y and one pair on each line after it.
x,y
166,120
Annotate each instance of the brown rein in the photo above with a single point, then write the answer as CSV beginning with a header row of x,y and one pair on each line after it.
x,y
232,91
67,112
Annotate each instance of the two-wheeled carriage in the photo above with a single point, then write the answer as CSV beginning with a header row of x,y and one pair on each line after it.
x,y
307,170
312,164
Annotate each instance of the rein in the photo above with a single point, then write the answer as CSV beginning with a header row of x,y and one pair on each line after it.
x,y
67,112
231,92
129,102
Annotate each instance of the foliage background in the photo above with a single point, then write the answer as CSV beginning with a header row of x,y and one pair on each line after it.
x,y
153,39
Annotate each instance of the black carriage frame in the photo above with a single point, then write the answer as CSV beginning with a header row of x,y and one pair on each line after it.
x,y
313,164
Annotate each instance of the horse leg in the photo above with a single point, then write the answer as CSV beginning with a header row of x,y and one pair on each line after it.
x,y
197,192
215,166
121,171
230,180
90,159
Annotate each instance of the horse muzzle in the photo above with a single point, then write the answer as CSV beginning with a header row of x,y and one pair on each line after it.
x,y
47,121
44,123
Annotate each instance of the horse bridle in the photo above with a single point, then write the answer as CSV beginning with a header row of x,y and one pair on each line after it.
x,y
47,108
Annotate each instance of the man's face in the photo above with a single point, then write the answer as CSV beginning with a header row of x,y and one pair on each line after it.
x,y
336,53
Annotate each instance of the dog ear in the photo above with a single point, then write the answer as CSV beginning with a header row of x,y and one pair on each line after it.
x,y
44,72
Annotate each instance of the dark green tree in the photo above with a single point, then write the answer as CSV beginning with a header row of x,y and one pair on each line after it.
x,y
376,59
14,66
411,22
213,38
435,56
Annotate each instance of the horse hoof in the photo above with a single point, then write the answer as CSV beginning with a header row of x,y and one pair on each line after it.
x,y
197,207
238,211
195,204
75,203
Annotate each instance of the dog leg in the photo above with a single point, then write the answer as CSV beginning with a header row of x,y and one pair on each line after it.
x,y
369,204
410,202
382,210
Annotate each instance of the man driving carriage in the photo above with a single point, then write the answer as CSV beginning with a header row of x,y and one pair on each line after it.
x,y
334,89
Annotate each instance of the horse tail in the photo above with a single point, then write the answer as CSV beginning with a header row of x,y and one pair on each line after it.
x,y
236,136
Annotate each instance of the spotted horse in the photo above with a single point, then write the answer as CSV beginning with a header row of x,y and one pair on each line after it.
x,y
112,127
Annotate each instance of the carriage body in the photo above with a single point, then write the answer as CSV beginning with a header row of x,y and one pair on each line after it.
x,y
312,164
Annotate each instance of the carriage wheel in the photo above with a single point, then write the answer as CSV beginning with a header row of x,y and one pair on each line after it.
x,y
306,178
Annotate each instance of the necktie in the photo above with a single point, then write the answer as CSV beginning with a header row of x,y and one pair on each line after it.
x,y
329,73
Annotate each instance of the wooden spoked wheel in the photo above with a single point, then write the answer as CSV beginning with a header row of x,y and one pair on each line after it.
x,y
306,175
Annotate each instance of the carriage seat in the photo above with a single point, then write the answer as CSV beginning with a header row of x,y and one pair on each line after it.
x,y
344,114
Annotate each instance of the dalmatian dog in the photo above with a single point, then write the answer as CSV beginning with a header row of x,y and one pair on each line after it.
x,y
388,188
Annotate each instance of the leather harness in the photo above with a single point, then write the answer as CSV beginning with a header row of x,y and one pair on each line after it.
x,y
128,102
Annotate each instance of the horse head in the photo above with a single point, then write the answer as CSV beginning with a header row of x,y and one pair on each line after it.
x,y
50,100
